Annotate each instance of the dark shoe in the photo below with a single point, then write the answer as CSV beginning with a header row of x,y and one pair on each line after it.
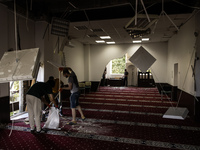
x,y
45,130
72,123
33,131
38,132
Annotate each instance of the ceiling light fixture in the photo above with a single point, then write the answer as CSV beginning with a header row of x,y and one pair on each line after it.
x,y
145,39
105,37
137,41
110,42
138,33
100,41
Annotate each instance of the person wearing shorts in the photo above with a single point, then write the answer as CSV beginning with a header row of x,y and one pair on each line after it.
x,y
74,89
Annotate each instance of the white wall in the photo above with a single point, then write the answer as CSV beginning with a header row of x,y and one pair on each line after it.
x,y
4,44
51,54
39,42
75,59
74,56
87,62
7,30
100,55
3,29
26,31
197,70
181,50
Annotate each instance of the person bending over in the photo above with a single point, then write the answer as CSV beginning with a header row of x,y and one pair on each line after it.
x,y
33,100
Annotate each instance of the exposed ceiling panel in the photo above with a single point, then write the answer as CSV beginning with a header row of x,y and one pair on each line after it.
x,y
110,17
82,10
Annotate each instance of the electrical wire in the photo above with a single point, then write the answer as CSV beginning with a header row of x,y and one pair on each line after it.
x,y
27,14
154,75
192,56
180,95
136,4
88,24
193,14
11,88
31,6
15,19
186,5
12,111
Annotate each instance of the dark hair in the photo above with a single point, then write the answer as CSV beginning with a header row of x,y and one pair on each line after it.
x,y
65,70
51,83
51,78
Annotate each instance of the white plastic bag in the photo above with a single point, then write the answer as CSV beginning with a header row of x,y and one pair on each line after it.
x,y
53,119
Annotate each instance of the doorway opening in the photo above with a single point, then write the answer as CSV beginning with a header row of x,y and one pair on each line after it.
x,y
176,74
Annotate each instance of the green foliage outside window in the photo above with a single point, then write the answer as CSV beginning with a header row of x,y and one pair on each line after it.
x,y
14,112
118,65
16,85
15,92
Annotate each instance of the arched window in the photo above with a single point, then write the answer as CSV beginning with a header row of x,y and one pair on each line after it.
x,y
118,65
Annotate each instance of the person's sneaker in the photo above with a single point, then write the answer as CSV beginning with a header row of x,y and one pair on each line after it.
x,y
72,123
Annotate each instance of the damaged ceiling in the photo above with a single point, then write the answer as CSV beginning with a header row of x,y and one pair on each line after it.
x,y
157,19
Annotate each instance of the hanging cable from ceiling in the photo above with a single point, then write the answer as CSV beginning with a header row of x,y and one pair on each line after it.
x,y
136,5
186,5
88,24
27,14
31,6
193,57
15,26
17,59
164,13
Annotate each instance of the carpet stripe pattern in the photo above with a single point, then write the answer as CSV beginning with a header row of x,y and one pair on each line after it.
x,y
123,118
151,144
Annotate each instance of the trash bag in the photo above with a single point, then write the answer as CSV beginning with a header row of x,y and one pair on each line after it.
x,y
53,119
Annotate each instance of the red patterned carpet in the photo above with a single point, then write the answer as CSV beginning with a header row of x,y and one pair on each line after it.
x,y
119,118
